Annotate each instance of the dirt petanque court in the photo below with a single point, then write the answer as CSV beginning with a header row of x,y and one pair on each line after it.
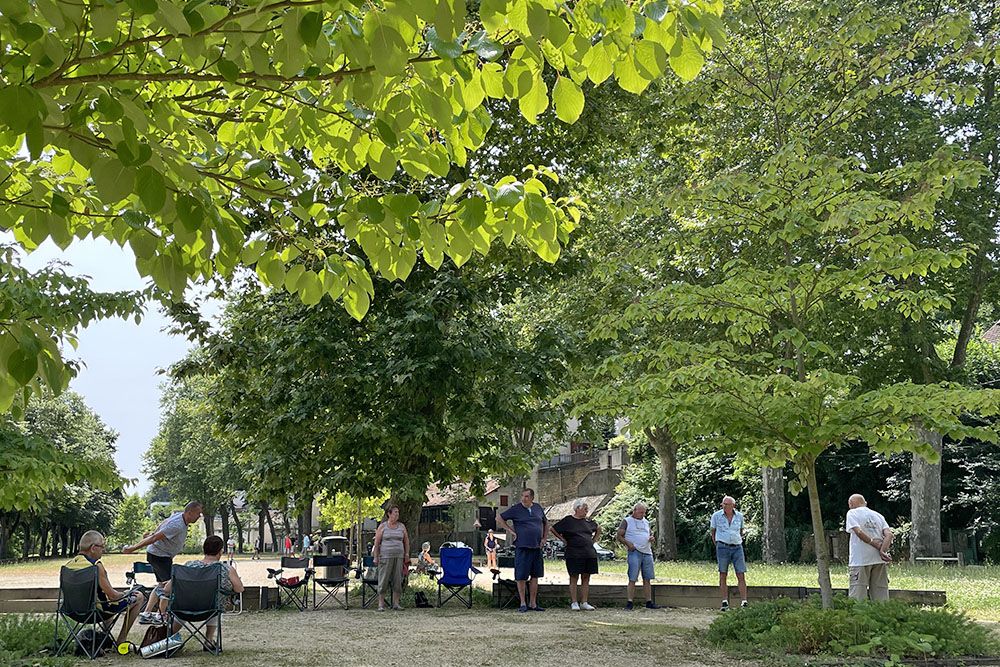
x,y
453,635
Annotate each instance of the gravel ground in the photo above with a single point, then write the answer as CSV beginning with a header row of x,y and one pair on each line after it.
x,y
459,637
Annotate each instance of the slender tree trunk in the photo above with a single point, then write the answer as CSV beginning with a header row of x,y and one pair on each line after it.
x,y
666,449
822,553
270,523
284,520
224,517
26,544
775,549
43,540
260,529
208,516
925,500
239,528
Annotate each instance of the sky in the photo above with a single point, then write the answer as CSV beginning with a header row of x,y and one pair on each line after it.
x,y
119,380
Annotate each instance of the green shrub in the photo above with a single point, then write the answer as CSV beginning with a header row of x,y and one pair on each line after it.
x,y
27,640
887,629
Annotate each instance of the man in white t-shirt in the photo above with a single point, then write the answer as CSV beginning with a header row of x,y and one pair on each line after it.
x,y
871,538
637,536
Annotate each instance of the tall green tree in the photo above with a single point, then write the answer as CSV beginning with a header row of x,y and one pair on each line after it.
x,y
428,388
58,476
131,521
187,458
788,243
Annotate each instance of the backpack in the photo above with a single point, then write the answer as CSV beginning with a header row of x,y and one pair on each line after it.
x,y
422,601
86,636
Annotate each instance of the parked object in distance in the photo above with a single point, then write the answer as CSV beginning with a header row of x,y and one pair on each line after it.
x,y
604,554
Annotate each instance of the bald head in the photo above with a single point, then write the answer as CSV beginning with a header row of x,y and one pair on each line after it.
x,y
856,501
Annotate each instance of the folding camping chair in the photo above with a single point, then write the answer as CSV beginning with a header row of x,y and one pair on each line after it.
x,y
194,603
334,581
368,574
141,567
292,590
456,563
77,610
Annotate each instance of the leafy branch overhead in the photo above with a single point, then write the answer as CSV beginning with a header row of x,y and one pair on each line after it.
x,y
166,125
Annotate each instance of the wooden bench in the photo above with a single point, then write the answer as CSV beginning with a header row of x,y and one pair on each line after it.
x,y
689,596
957,560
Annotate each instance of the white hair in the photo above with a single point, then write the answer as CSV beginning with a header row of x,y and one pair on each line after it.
x,y
640,504
580,502
89,539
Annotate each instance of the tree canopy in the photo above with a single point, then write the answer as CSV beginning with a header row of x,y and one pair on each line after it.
x,y
207,136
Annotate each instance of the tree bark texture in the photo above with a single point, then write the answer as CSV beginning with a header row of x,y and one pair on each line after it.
x,y
925,500
270,523
666,533
224,517
775,548
208,516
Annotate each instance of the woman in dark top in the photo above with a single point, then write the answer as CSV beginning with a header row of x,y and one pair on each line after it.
x,y
579,533
491,550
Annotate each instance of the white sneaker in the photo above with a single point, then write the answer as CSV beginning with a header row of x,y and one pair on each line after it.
x,y
586,606
575,606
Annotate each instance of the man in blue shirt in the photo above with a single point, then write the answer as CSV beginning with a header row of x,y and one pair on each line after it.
x,y
727,534
526,523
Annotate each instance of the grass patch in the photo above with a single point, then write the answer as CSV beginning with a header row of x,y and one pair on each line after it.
x,y
25,641
888,630
974,589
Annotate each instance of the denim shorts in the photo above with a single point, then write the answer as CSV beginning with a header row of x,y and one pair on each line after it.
x,y
637,561
728,553
528,563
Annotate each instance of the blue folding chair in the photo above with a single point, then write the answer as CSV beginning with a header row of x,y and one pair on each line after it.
x,y
456,564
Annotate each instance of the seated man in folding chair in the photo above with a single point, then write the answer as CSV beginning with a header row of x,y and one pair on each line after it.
x,y
112,602
231,583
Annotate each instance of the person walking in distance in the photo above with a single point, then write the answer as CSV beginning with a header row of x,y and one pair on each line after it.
x,y
527,524
868,552
161,546
637,536
727,536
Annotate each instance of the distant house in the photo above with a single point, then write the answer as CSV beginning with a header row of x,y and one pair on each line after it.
x,y
992,335
453,514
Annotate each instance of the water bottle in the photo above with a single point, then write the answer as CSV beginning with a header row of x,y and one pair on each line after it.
x,y
161,646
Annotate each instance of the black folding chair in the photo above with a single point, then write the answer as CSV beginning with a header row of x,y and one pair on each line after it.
x,y
333,581
456,564
368,574
77,609
194,603
292,591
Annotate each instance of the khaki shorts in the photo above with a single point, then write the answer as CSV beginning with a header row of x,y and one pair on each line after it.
x,y
390,575
869,582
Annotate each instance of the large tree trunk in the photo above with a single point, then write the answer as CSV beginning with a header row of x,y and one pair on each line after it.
x,y
775,549
666,533
260,529
409,515
239,528
925,500
26,544
822,553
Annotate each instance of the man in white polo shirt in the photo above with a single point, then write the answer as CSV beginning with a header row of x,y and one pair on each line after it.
x,y
869,556
727,535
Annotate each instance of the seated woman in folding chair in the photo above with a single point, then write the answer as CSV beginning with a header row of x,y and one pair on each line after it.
x,y
231,583
392,557
113,602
